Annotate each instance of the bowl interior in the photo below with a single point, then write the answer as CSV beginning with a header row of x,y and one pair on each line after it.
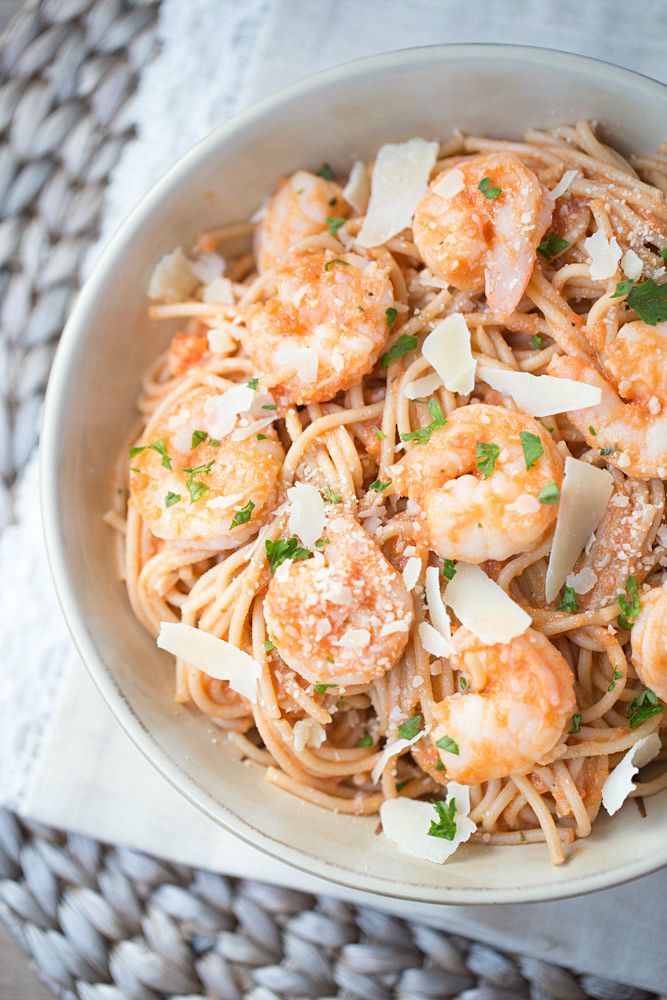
x,y
337,116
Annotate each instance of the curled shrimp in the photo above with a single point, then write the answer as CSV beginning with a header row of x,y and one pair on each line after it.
x,y
474,508
299,208
513,713
649,641
629,425
190,474
479,226
334,307
352,608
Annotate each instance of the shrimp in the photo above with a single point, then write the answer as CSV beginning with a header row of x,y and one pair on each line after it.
x,y
474,508
513,713
479,225
185,350
299,208
342,616
199,463
649,641
335,307
632,436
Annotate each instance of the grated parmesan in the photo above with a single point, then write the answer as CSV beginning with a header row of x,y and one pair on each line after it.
x,y
631,265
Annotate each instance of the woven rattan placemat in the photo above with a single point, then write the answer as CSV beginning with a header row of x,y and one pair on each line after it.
x,y
103,922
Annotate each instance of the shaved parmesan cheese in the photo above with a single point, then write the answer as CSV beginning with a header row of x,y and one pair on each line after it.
x,y
406,822
391,751
208,267
541,395
432,641
219,290
358,188
484,607
631,265
563,184
241,433
584,497
400,180
355,639
449,183
220,340
215,657
306,513
447,349
436,605
172,279
221,411
582,582
605,255
619,784
308,733
398,625
429,280
422,387
304,360
411,571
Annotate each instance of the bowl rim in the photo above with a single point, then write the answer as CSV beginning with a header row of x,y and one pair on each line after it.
x,y
56,405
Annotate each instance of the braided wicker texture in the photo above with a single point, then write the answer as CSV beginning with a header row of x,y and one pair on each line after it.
x,y
108,923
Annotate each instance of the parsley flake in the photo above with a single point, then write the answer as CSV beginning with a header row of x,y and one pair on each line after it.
x,y
644,707
252,383
487,190
159,446
403,345
616,676
269,406
536,341
549,494
409,729
334,222
261,437
629,605
592,431
552,245
321,542
445,826
463,682
448,569
197,438
378,486
171,499
390,317
214,442
607,450
448,744
649,301
365,741
268,646
622,288
380,435
200,469
400,785
532,448
568,601
196,489
423,434
284,548
336,260
243,515
487,455
321,688
576,724
326,172
332,497
439,766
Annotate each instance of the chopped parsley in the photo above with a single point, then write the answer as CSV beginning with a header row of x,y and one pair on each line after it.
x,y
487,190
616,676
423,434
536,340
332,202
607,450
326,172
568,601
171,499
592,431
243,515
549,494
196,489
159,446
576,724
644,707
448,569
448,744
629,605
321,688
445,826
197,438
487,455
321,542
403,345
532,448
365,741
378,486
334,222
648,299
409,729
380,435
284,548
439,766
463,683
261,437
332,497
252,383
390,317
400,785
336,260
269,406
268,646
552,245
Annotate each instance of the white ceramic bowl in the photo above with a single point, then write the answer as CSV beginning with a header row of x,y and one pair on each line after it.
x,y
337,116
